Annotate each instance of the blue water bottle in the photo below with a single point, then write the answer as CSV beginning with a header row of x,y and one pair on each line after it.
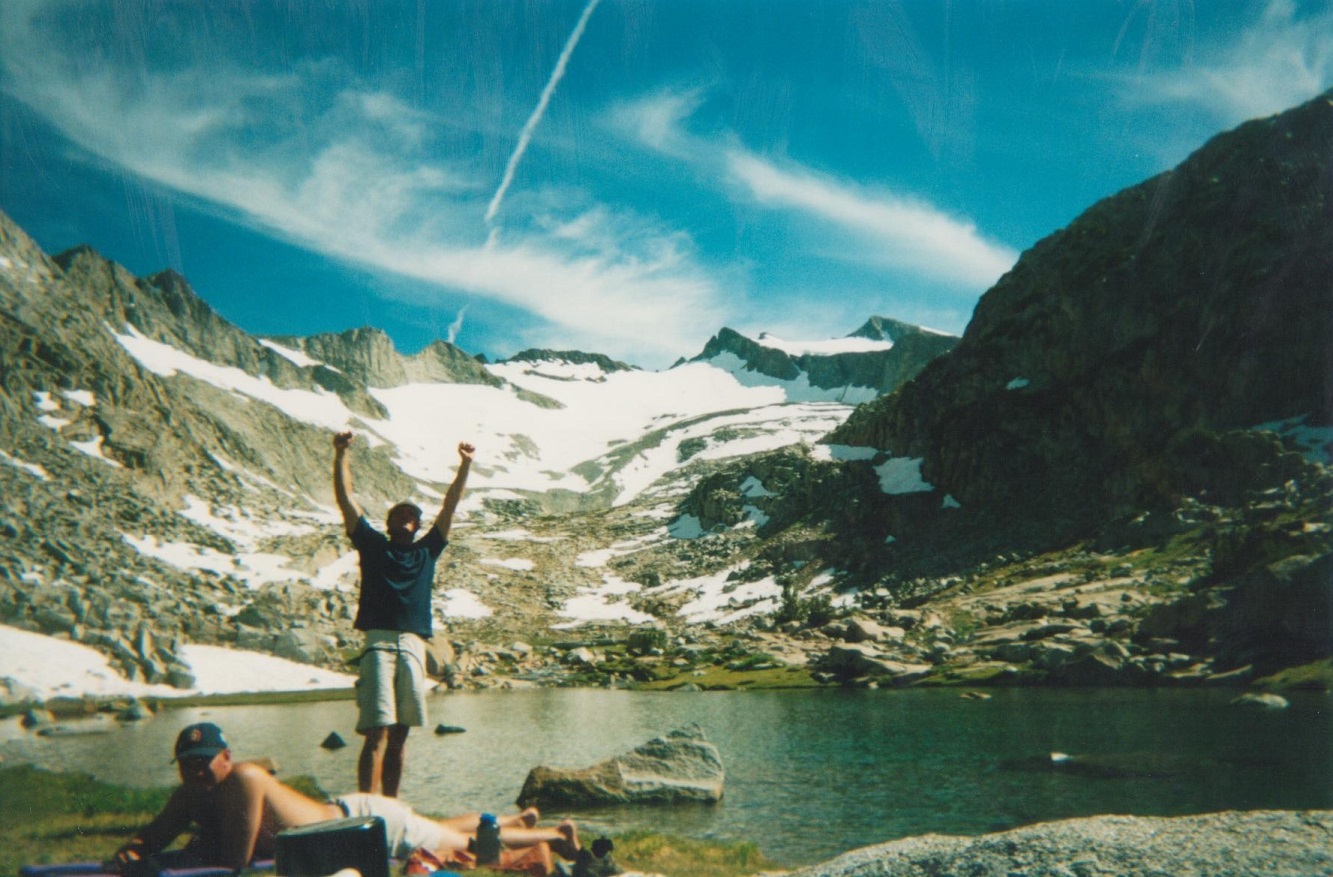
x,y
488,840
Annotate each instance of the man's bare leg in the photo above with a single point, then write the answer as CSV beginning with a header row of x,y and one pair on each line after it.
x,y
392,768
370,766
563,838
467,822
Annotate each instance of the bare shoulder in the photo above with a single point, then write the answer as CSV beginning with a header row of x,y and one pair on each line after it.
x,y
249,774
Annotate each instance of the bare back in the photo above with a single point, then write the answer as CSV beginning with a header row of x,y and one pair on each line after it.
x,y
240,818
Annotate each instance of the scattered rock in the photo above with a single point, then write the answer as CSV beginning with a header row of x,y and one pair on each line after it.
x,y
333,741
75,729
136,711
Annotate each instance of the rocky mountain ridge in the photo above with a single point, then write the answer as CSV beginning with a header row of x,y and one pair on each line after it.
x,y
1112,367
855,375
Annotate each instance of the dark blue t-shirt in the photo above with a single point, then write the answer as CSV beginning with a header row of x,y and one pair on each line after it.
x,y
395,580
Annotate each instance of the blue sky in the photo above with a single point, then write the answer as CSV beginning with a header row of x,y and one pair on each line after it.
x,y
620,177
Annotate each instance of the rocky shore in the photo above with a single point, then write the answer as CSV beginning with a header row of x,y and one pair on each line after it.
x,y
1266,842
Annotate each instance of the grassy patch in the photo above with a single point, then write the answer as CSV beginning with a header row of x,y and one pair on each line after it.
x,y
48,817
682,857
52,817
252,698
1310,677
722,679
244,698
679,857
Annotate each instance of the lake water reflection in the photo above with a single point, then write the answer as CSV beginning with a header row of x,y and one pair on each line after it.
x,y
809,773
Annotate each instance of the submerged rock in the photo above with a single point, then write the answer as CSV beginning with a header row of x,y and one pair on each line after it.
x,y
1261,701
680,766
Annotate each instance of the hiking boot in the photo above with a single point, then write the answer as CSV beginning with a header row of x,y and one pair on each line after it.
x,y
596,861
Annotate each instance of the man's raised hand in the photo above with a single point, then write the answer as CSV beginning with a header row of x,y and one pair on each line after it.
x,y
466,451
342,439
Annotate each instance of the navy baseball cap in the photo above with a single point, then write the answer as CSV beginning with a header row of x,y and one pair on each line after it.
x,y
202,739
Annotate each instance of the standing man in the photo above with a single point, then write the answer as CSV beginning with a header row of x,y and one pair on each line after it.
x,y
397,574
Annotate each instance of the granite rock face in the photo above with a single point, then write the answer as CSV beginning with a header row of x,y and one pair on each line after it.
x,y
1268,843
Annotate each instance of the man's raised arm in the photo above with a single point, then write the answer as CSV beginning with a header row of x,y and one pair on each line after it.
x,y
445,519
342,482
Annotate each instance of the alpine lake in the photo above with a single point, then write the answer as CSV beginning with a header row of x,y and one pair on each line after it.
x,y
810,773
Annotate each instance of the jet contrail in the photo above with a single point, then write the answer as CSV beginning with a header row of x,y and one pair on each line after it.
x,y
457,325
525,136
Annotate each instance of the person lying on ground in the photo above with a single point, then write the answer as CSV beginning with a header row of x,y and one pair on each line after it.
x,y
239,808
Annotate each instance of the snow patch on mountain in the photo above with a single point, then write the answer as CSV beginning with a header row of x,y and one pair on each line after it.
x,y
252,568
318,407
902,475
296,357
461,603
31,468
830,347
51,667
600,604
518,564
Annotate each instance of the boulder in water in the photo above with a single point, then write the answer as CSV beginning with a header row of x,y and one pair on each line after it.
x,y
680,766
1261,701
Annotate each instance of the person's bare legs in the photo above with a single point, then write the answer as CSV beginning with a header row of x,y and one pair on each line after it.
x,y
467,822
527,818
392,767
370,766
563,838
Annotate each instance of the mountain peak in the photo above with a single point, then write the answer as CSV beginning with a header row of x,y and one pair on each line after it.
x,y
570,357
876,359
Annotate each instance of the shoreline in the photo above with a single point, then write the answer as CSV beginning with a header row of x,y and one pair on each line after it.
x,y
1311,678
1237,842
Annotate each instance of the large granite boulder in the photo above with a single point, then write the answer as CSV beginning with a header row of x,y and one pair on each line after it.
x,y
1250,843
680,766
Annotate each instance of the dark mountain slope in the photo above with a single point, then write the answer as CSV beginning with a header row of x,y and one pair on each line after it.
x,y
1110,369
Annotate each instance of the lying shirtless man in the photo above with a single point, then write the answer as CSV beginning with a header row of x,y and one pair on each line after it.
x,y
239,808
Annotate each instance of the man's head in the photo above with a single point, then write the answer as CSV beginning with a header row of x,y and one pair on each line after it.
x,y
403,521
202,754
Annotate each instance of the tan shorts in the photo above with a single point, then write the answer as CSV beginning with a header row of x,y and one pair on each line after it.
x,y
405,829
392,686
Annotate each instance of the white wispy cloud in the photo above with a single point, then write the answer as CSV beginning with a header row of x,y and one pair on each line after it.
x,y
348,170
890,231
1284,58
658,121
902,233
